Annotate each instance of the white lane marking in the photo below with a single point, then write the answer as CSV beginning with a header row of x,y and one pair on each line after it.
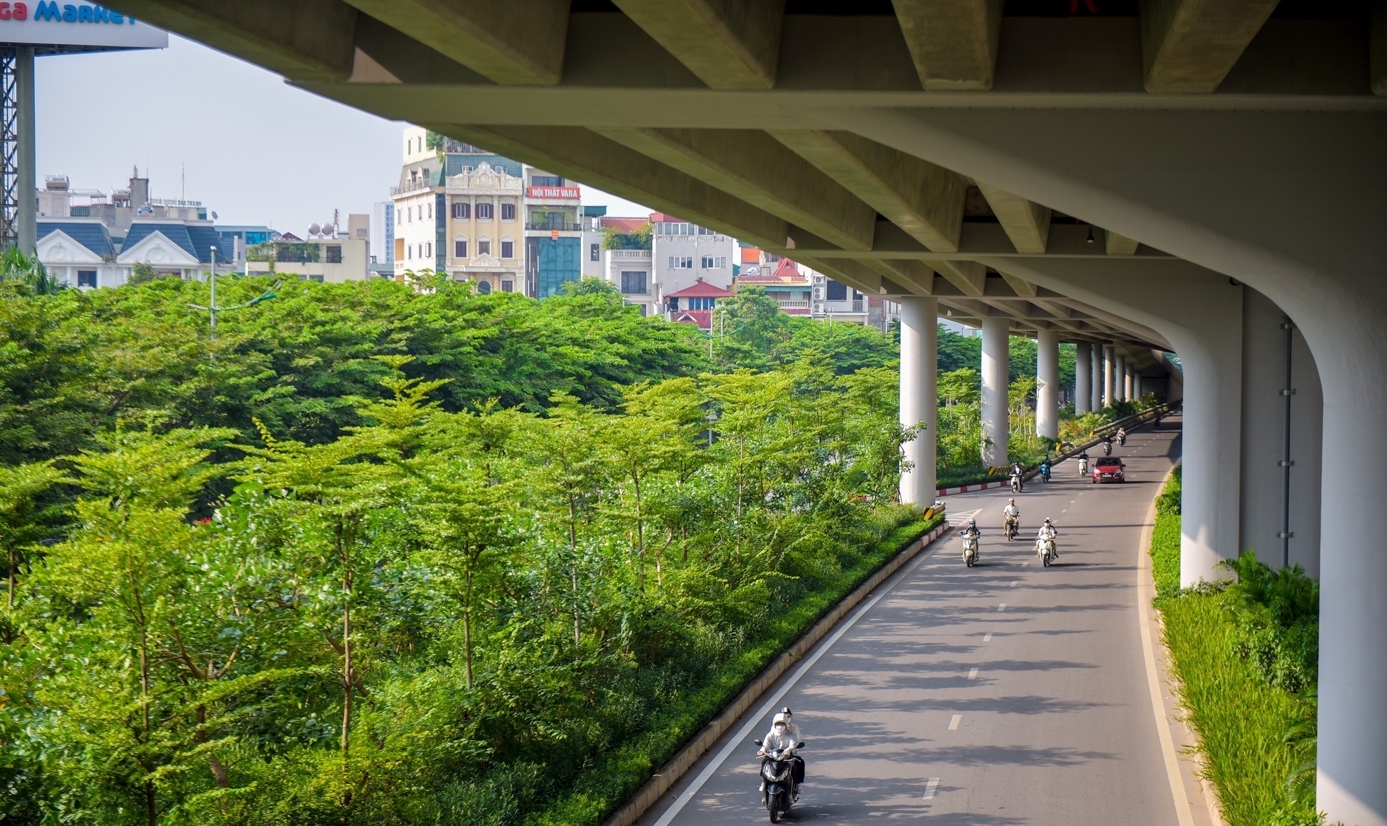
x,y
954,721
962,518
1064,510
972,673
1014,582
740,739
1024,564
930,787
1002,607
987,637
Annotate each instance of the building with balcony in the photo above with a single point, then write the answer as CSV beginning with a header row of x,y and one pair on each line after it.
x,y
553,233
695,304
592,264
484,231
685,253
419,201
790,288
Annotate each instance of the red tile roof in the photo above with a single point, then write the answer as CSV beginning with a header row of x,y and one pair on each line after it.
x,y
701,289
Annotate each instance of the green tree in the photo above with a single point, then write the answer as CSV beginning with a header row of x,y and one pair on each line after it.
x,y
23,518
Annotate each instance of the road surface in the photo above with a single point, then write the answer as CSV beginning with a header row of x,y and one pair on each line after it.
x,y
1007,693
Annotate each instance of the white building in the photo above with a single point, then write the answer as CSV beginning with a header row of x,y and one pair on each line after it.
x,y
484,229
333,260
684,253
418,200
81,252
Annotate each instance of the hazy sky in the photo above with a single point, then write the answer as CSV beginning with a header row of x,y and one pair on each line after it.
x,y
226,133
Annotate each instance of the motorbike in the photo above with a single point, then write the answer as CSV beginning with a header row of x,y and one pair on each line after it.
x,y
1015,483
1083,467
1045,550
970,550
1122,440
1010,526
778,780
1044,473
1107,448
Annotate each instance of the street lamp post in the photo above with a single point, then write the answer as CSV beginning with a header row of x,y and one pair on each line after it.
x,y
212,308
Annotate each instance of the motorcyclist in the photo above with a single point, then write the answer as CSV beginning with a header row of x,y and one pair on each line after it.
x,y
1107,445
1083,463
971,529
1017,475
1048,531
783,737
1010,513
1122,435
1045,468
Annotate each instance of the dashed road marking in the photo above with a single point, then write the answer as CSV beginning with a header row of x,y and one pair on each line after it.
x,y
987,637
972,673
1002,607
1014,582
953,723
930,787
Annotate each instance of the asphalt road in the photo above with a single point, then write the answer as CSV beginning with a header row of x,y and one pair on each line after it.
x,y
1003,694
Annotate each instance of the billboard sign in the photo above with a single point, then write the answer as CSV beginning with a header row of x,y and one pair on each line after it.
x,y
74,26
567,193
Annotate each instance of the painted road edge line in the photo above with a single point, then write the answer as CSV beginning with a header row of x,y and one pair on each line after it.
x,y
1146,588
677,766
737,741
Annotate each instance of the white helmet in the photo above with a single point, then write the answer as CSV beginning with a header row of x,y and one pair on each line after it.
x,y
779,720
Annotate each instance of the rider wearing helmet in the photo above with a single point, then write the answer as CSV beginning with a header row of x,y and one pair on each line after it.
x,y
1011,512
784,735
971,529
1048,531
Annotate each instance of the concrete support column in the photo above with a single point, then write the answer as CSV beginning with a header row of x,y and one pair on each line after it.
x,y
1129,383
1119,377
1095,402
26,217
1083,377
1136,386
919,396
996,370
1109,374
1047,392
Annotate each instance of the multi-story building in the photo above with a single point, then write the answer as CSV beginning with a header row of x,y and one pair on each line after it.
x,y
553,234
684,253
382,248
594,239
484,228
420,199
695,304
785,284
333,260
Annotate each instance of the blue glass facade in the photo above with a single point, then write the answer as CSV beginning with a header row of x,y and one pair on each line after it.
x,y
551,262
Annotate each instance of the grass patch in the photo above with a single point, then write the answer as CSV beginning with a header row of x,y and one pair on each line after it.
x,y
1240,716
604,786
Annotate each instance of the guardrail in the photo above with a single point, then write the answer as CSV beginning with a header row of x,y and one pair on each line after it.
x,y
1096,435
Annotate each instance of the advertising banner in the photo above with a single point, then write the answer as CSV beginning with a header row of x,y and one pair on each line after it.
x,y
51,25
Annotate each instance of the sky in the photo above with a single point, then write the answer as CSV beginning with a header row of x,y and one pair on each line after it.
x,y
209,127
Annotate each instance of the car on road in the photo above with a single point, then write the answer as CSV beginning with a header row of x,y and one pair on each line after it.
x,y
1109,469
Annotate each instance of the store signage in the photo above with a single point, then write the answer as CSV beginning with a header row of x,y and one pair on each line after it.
x,y
568,193
81,25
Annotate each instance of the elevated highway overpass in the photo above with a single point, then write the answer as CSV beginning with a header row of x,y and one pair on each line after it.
x,y
1227,159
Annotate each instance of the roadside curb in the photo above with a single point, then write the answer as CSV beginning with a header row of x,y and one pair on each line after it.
x,y
687,757
1171,729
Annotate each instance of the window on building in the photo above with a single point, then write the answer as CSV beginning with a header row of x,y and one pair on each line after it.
x,y
507,249
86,278
507,212
409,253
332,254
317,278
633,283
546,180
856,296
686,262
836,291
507,286
595,252
483,247
461,211
484,212
483,288
430,206
460,248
